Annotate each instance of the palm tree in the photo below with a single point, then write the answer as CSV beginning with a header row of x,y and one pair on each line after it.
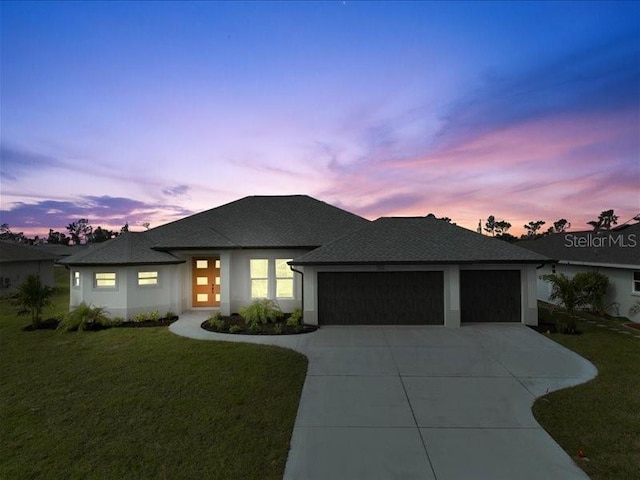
x,y
31,296
568,292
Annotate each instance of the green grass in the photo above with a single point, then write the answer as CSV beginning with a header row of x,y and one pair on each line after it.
x,y
601,417
141,403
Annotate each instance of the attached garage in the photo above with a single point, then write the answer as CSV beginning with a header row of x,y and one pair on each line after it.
x,y
381,298
490,296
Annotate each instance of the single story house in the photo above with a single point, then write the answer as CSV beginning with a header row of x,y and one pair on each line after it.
x,y
615,253
18,261
337,267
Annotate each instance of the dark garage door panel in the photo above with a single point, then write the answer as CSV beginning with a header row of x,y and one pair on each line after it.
x,y
381,298
490,295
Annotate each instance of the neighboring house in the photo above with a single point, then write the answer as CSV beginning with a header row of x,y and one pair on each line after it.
x,y
304,253
60,251
18,261
615,253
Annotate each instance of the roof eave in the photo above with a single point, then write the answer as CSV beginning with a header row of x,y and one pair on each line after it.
x,y
426,262
119,264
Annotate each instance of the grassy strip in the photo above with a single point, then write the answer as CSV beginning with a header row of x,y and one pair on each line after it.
x,y
142,403
601,417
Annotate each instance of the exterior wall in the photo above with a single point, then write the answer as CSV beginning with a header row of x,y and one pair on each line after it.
x,y
127,298
529,306
620,297
113,299
16,272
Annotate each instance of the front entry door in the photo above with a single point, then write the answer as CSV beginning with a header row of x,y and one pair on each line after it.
x,y
206,281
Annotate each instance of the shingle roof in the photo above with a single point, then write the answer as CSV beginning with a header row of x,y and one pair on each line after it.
x,y
416,240
259,222
251,222
15,252
620,246
131,248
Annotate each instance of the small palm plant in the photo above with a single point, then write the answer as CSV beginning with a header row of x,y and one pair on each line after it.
x,y
568,292
31,297
84,317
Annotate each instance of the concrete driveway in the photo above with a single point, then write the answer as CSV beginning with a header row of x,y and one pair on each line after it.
x,y
423,402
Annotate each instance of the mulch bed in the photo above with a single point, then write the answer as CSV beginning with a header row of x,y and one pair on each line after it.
x,y
52,324
242,328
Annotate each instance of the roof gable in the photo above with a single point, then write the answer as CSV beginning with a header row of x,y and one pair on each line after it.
x,y
424,240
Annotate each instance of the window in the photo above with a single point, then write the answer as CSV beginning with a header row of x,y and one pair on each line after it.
x,y
636,282
105,280
76,279
259,269
147,278
284,278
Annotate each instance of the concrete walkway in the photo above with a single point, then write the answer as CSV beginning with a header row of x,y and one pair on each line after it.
x,y
423,402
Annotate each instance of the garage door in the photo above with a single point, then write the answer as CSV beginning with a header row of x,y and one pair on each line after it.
x,y
380,298
490,295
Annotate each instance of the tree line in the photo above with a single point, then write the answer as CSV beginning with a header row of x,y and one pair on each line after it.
x,y
533,229
77,233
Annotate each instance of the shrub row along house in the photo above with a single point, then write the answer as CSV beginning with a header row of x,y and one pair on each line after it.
x,y
304,253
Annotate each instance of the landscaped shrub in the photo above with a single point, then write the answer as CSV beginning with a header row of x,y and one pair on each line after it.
x,y
235,329
295,318
277,328
31,296
566,291
84,317
140,317
254,329
216,322
169,314
593,287
261,311
154,316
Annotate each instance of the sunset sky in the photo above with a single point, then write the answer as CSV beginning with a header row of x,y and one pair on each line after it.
x,y
147,112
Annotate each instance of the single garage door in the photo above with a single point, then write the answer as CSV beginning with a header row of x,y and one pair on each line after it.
x,y
490,295
381,298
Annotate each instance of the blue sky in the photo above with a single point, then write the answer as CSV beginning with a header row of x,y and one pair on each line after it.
x,y
146,112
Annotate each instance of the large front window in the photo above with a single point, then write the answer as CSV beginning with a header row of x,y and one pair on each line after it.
x,y
636,282
259,277
284,278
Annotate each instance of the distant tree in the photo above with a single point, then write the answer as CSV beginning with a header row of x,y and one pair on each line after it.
x,y
101,235
637,218
560,226
31,296
608,219
446,219
595,224
57,238
146,225
532,229
490,225
605,220
125,228
501,227
7,234
80,231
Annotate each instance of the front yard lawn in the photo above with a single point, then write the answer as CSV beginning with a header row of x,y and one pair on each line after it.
x,y
602,417
142,403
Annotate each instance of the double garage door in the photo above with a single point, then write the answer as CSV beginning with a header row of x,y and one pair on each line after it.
x,y
415,298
